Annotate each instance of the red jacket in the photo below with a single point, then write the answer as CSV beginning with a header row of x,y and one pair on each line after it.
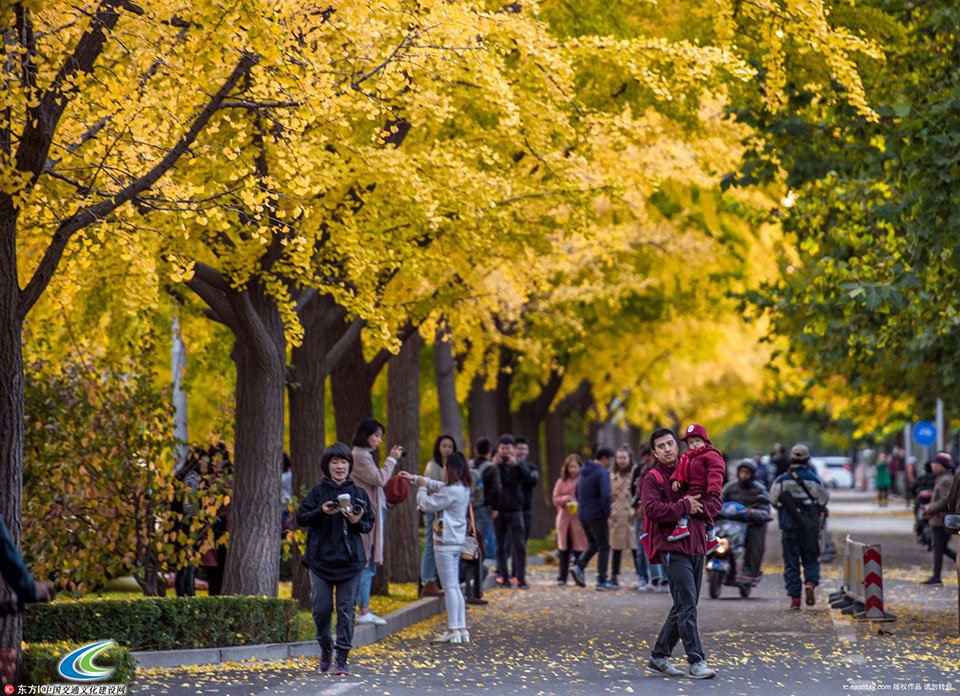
x,y
665,510
701,471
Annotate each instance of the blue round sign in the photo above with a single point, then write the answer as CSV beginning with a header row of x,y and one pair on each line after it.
x,y
925,433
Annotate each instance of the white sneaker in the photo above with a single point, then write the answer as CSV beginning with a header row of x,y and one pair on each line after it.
x,y
452,635
464,635
640,586
370,618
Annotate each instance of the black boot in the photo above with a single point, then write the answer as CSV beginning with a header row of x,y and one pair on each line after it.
x,y
326,654
341,668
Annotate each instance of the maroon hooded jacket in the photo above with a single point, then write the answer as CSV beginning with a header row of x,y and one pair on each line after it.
x,y
665,509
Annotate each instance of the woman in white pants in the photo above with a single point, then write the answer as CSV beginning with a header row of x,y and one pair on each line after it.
x,y
449,499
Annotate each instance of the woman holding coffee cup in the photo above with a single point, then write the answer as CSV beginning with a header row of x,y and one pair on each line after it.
x,y
335,514
571,538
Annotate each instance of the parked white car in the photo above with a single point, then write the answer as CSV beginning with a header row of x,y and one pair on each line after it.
x,y
835,472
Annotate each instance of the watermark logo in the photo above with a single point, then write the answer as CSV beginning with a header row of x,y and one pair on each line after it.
x,y
78,666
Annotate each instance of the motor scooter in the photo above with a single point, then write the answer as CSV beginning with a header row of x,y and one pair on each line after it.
x,y
725,565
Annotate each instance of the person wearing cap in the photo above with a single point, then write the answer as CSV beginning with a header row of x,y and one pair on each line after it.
x,y
799,495
700,472
942,466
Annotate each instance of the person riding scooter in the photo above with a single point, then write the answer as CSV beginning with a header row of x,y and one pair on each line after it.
x,y
750,493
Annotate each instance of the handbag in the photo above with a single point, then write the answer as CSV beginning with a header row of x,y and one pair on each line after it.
x,y
471,544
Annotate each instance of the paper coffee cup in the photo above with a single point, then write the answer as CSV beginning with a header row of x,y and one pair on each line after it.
x,y
343,500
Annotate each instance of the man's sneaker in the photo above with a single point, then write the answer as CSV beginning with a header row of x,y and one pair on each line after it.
x,y
523,586
932,581
700,670
641,586
326,657
679,533
371,618
663,587
794,604
341,668
664,666
561,583
711,546
808,594
477,601
606,586
576,572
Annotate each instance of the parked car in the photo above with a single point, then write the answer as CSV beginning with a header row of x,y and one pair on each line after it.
x,y
835,472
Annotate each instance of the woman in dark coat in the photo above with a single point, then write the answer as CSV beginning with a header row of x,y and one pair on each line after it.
x,y
335,514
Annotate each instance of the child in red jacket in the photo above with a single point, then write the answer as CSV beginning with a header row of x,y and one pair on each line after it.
x,y
701,470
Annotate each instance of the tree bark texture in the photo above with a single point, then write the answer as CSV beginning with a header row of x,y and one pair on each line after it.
x,y
351,384
11,401
307,435
451,421
401,547
253,555
483,411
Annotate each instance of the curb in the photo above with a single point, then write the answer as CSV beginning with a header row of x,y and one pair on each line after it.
x,y
366,634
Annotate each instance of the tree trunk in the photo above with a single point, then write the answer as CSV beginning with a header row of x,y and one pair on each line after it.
x,y
11,401
307,435
401,547
483,411
253,555
451,421
351,384
525,424
504,414
557,448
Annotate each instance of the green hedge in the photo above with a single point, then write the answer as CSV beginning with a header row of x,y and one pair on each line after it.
x,y
40,662
152,623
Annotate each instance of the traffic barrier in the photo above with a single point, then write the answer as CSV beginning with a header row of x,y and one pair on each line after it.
x,y
861,594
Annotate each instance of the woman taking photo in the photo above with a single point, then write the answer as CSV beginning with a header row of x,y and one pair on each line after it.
x,y
372,478
571,538
335,514
448,500
444,446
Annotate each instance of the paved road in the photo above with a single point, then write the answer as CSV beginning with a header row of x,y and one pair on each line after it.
x,y
574,641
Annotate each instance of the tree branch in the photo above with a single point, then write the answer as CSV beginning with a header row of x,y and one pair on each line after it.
x,y
51,257
215,299
41,120
339,349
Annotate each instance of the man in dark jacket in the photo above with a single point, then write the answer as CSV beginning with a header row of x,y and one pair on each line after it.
x,y
800,497
682,559
779,459
593,500
508,513
533,480
752,494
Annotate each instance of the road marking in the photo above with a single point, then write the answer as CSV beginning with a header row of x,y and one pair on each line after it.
x,y
337,689
847,635
311,686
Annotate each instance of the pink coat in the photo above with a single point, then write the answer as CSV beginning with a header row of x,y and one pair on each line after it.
x,y
566,522
372,478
